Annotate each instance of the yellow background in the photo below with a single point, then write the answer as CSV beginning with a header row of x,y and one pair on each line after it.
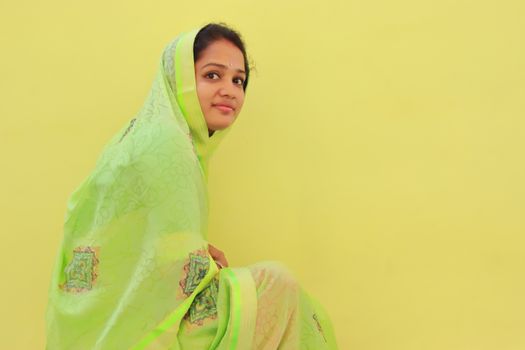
x,y
380,154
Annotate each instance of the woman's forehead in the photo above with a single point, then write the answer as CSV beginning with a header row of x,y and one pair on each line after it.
x,y
222,54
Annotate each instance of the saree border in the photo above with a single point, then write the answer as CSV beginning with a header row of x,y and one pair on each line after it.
x,y
236,330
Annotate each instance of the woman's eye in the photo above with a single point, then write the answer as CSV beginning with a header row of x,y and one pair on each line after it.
x,y
209,75
240,81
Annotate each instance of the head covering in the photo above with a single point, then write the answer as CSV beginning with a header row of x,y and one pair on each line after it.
x,y
179,71
134,251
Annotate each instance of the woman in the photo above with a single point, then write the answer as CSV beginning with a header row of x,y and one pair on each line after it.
x,y
135,270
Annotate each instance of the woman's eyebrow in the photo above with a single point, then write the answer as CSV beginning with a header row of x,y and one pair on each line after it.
x,y
222,66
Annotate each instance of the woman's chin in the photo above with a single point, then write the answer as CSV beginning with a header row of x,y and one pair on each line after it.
x,y
222,124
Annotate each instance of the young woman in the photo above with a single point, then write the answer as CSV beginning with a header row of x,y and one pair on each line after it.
x,y
135,270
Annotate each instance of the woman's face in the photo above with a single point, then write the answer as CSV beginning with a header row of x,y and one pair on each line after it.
x,y
219,74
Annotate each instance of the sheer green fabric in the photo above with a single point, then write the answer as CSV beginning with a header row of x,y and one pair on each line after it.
x,y
133,270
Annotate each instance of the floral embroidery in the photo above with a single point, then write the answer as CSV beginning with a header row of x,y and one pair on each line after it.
x,y
319,326
195,270
205,304
81,272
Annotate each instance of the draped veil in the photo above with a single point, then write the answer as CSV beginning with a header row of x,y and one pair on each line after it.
x,y
133,268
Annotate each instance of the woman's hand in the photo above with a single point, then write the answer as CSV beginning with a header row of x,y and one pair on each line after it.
x,y
218,256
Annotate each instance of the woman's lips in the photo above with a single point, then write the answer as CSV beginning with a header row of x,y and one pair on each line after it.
x,y
222,108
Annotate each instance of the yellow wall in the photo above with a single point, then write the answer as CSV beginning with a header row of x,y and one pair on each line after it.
x,y
379,154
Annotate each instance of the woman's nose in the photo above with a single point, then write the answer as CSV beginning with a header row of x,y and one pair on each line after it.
x,y
226,90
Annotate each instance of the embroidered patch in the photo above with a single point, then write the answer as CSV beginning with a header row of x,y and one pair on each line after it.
x,y
81,272
195,270
319,326
205,304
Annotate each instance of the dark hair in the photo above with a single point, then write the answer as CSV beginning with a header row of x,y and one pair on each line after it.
x,y
216,31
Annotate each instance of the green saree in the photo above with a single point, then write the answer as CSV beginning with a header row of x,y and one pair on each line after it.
x,y
133,270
